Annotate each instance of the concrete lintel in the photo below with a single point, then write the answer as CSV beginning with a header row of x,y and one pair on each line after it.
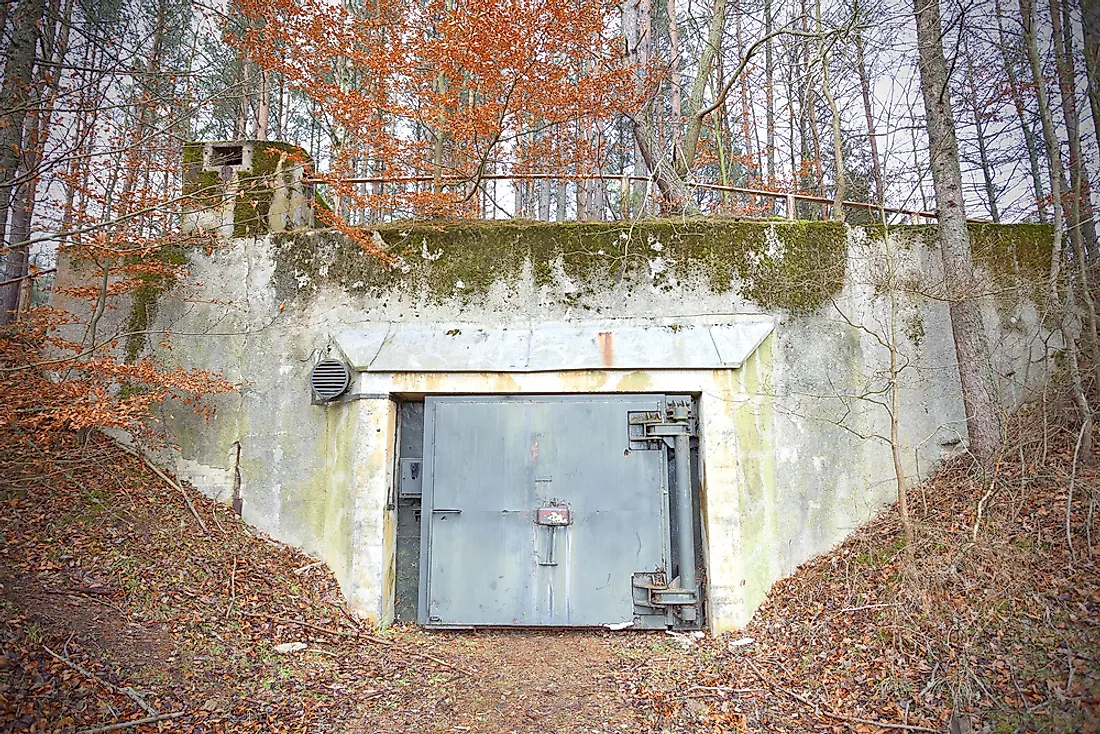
x,y
609,344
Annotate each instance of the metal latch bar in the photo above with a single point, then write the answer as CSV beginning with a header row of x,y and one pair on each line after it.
x,y
672,597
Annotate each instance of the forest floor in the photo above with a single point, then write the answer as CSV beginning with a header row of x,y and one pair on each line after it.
x,y
119,603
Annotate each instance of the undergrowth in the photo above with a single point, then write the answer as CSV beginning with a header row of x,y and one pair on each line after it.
x,y
993,627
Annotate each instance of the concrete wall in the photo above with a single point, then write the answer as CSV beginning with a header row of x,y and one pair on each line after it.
x,y
791,440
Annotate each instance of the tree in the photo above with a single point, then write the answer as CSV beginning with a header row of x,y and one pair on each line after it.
x,y
1066,307
111,161
18,91
485,82
979,391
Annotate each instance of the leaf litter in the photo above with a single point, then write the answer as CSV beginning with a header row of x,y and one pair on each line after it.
x,y
118,607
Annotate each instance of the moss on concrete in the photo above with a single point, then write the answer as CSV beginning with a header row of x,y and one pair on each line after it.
x,y
270,161
204,187
793,266
1021,250
1005,250
143,302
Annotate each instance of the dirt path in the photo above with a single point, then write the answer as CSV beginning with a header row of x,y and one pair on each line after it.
x,y
522,682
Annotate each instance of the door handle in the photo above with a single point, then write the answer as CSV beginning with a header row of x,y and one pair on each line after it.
x,y
445,511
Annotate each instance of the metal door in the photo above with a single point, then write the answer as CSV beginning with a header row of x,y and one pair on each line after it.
x,y
537,512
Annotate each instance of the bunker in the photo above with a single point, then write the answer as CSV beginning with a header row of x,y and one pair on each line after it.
x,y
638,424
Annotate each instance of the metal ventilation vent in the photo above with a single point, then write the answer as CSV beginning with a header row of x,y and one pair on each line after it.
x,y
329,379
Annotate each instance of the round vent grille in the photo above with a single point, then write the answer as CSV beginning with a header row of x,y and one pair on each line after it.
x,y
329,379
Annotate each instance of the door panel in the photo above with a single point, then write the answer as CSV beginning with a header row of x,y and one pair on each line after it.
x,y
491,463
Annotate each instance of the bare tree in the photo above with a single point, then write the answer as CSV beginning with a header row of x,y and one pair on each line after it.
x,y
1090,21
971,350
1068,302
865,93
1016,94
19,95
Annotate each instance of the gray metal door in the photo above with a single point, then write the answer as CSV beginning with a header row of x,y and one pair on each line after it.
x,y
537,512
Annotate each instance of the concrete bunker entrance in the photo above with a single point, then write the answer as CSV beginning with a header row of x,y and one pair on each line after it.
x,y
560,510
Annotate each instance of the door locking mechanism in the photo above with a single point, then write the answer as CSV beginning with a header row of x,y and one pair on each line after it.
x,y
552,517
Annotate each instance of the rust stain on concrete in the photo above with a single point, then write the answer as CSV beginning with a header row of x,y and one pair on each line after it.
x,y
607,348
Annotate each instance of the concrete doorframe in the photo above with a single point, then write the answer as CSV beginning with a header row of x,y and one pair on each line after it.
x,y
734,425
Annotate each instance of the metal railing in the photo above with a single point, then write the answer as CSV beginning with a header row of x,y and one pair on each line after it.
x,y
627,196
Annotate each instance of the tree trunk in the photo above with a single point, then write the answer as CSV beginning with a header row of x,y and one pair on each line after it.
x,y
872,137
1068,306
971,351
674,75
19,94
769,94
746,108
1090,21
263,108
5,7
240,126
675,196
34,144
1080,206
834,111
695,97
645,38
1083,225
544,200
1022,115
437,144
977,108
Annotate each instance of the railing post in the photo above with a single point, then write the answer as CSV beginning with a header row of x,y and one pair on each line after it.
x,y
624,196
792,211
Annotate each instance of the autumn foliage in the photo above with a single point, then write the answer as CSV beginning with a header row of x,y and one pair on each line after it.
x,y
83,361
445,92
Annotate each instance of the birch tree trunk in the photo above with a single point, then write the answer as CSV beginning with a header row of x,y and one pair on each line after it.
x,y
983,419
18,95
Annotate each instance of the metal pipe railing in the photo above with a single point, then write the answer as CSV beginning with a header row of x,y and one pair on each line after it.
x,y
790,199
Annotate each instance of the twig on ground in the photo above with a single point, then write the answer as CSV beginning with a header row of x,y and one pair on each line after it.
x,y
831,714
171,483
720,689
1072,479
214,514
135,722
128,691
359,636
303,569
865,606
232,589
